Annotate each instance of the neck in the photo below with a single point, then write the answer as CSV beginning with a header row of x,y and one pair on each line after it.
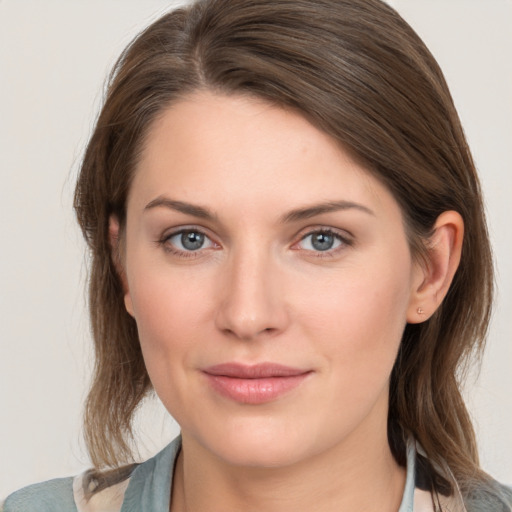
x,y
351,476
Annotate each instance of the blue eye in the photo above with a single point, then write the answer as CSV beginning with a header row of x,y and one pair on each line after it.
x,y
189,240
321,241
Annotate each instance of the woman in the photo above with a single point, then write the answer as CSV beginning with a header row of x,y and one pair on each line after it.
x,y
288,245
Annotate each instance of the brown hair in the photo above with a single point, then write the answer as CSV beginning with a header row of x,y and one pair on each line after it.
x,y
357,71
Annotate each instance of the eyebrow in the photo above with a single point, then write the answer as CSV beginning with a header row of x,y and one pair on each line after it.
x,y
292,216
181,206
319,209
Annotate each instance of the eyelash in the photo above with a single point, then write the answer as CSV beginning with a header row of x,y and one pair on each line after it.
x,y
168,247
344,240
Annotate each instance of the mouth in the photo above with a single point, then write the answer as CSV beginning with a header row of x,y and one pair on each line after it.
x,y
254,384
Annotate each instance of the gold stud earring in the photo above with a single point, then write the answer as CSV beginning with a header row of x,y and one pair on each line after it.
x,y
420,311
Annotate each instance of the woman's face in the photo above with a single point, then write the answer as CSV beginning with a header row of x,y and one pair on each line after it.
x,y
270,277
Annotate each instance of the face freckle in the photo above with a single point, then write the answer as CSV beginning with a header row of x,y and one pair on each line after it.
x,y
250,184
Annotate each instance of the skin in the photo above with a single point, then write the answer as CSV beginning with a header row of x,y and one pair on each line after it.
x,y
258,291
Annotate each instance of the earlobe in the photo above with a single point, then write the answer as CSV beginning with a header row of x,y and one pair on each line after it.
x,y
128,304
116,255
432,280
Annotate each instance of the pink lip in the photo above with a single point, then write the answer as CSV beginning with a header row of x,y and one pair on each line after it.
x,y
255,384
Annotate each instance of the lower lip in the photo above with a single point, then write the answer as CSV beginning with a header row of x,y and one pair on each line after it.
x,y
255,391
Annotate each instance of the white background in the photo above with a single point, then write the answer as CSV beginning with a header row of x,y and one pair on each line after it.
x,y
54,57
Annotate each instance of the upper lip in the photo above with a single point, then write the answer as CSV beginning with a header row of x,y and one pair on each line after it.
x,y
256,371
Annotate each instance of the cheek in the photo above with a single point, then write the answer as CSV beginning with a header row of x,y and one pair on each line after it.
x,y
357,321
168,311
356,329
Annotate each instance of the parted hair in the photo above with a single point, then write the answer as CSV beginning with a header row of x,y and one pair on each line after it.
x,y
358,72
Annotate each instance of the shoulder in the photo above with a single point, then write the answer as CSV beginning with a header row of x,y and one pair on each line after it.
x,y
65,495
507,494
52,496
108,499
497,497
146,487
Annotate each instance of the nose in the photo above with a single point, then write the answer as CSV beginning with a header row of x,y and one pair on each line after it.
x,y
251,303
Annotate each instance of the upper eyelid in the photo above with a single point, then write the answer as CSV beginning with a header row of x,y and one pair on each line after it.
x,y
342,233
165,238
345,240
164,242
169,233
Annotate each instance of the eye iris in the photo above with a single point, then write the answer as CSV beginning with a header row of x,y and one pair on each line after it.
x,y
192,240
322,241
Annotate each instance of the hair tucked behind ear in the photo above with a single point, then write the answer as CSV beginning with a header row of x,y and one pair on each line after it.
x,y
358,72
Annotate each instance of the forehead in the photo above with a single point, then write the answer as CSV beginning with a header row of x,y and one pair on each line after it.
x,y
209,146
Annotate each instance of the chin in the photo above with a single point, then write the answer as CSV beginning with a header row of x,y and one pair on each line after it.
x,y
261,443
271,454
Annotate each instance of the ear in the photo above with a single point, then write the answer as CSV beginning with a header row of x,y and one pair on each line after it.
x,y
117,258
432,281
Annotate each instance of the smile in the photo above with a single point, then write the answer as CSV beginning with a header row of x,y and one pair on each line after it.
x,y
255,384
